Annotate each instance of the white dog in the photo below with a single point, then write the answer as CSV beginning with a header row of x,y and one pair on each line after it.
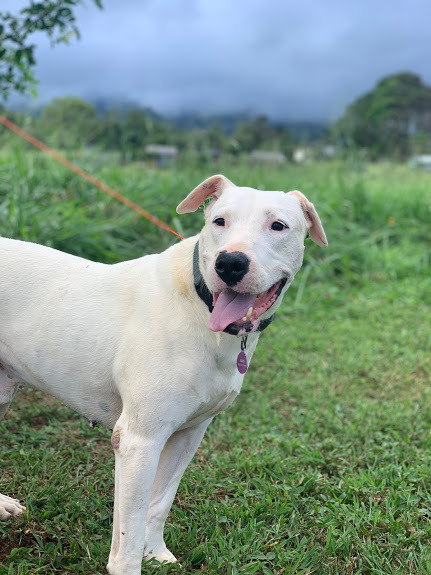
x,y
155,347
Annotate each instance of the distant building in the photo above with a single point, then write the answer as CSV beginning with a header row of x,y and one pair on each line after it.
x,y
328,151
302,155
163,155
421,161
265,157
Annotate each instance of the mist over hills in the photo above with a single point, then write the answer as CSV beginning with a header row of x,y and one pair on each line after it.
x,y
301,129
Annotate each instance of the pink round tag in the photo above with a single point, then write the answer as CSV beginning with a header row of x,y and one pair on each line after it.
x,y
241,362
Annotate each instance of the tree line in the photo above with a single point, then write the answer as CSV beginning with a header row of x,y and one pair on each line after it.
x,y
71,123
392,121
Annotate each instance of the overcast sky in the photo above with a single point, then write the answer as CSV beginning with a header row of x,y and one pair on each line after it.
x,y
287,59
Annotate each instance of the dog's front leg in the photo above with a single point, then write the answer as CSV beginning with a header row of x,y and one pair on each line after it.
x,y
136,459
175,457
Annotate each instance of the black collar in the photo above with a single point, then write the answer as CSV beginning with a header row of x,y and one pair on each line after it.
x,y
206,296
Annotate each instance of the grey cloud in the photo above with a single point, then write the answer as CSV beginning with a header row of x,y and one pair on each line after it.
x,y
283,58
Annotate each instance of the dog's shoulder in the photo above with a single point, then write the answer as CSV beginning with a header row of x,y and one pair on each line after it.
x,y
181,266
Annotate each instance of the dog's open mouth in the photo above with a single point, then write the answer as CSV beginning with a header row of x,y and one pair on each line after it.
x,y
241,309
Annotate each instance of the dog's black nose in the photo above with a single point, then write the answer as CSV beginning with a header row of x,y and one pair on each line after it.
x,y
231,267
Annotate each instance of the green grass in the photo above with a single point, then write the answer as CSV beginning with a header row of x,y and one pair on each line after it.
x,y
323,463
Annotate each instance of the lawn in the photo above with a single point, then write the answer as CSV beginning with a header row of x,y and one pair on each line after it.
x,y
323,463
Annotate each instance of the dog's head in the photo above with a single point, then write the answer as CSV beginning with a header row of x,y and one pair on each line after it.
x,y
250,248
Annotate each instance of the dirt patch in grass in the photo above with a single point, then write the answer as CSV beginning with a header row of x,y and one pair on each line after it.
x,y
22,538
17,540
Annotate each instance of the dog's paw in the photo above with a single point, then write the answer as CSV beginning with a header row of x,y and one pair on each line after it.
x,y
161,556
9,507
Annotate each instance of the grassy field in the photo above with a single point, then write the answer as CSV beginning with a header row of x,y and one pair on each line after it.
x,y
323,463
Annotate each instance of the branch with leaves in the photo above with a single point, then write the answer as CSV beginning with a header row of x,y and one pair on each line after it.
x,y
17,54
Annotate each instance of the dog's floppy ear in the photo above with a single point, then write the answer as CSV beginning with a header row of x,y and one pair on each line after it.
x,y
212,186
315,228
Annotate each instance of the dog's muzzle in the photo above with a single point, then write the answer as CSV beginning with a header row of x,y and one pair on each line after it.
x,y
233,312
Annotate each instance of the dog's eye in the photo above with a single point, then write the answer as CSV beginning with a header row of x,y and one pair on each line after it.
x,y
219,222
278,226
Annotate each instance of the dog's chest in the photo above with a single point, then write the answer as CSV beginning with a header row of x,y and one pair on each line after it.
x,y
212,384
209,394
208,410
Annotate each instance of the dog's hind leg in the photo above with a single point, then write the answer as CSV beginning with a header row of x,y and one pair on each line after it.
x,y
8,507
175,457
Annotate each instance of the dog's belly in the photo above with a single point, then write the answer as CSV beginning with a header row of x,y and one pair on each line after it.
x,y
100,404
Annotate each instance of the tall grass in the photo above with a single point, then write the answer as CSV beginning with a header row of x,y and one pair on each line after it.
x,y
376,217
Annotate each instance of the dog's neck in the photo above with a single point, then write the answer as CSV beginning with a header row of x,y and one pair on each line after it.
x,y
207,297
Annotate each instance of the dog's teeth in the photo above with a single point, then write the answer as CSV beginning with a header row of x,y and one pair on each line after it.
x,y
244,319
250,311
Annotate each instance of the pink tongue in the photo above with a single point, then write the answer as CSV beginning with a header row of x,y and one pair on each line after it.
x,y
230,306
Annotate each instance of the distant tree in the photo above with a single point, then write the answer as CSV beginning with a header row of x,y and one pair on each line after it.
x,y
384,120
254,134
216,136
165,133
260,134
110,135
17,54
285,141
137,131
68,123
421,142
